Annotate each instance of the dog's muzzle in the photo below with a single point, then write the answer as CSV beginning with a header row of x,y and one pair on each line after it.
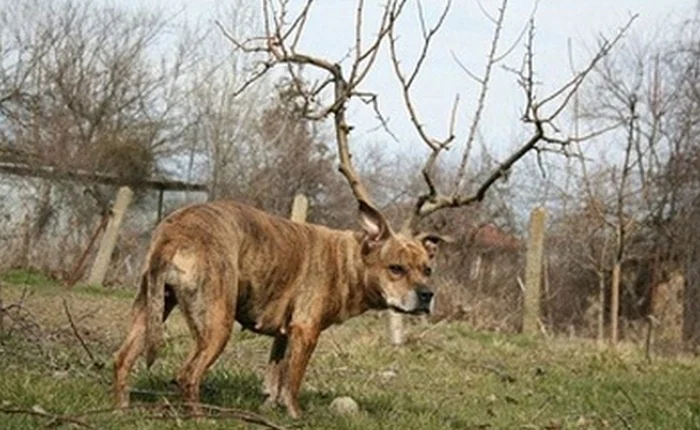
x,y
425,299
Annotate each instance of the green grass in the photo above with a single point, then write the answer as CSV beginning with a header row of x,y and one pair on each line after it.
x,y
27,278
452,377
31,280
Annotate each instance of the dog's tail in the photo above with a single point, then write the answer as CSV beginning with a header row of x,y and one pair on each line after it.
x,y
153,283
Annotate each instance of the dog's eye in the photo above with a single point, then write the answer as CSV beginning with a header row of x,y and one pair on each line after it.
x,y
427,271
397,269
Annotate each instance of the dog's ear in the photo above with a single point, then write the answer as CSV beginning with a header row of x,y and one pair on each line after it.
x,y
373,223
430,242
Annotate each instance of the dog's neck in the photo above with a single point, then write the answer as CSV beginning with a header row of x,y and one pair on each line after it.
x,y
368,296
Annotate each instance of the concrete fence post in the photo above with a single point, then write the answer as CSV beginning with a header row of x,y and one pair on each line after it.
x,y
109,239
300,207
533,271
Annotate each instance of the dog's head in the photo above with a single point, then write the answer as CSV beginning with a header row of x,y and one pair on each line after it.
x,y
398,267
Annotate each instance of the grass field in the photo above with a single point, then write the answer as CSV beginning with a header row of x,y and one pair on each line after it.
x,y
447,376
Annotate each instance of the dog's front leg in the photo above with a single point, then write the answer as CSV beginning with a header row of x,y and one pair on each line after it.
x,y
273,378
302,342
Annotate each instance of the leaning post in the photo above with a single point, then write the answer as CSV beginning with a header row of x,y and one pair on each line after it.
x,y
109,239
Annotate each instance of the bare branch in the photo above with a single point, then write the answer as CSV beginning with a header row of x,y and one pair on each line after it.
x,y
531,116
462,169
358,30
406,82
53,419
570,88
501,171
465,69
299,24
518,39
364,60
485,12
373,100
427,37
581,138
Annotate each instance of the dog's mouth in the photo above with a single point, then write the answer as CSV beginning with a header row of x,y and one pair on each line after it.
x,y
416,311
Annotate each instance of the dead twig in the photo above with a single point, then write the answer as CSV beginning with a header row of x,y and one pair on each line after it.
x,y
54,419
95,362
214,412
240,414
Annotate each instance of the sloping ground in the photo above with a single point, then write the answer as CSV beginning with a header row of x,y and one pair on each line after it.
x,y
446,377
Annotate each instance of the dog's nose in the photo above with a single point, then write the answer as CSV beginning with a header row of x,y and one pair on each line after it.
x,y
424,295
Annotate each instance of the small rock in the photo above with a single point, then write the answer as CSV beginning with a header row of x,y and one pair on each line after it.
x,y
38,409
345,405
583,422
388,374
61,374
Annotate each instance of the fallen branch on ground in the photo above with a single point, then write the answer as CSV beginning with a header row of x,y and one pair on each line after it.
x,y
213,412
54,419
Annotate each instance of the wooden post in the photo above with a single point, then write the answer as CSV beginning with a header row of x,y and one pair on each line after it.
x,y
396,331
299,208
109,239
615,304
533,271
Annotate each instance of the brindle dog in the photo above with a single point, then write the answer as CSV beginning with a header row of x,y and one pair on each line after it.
x,y
224,261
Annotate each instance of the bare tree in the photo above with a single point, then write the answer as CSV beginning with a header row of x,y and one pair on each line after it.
x,y
331,93
676,190
223,121
627,96
640,97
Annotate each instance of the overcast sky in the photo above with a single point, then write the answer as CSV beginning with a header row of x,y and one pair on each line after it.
x,y
466,34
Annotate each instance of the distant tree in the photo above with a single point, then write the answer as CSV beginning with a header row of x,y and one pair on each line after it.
x,y
89,88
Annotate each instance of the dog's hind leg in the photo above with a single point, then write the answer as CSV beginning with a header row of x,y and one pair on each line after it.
x,y
210,314
134,344
273,379
130,350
